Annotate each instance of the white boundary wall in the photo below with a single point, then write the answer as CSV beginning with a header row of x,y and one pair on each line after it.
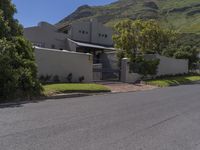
x,y
172,66
167,66
61,63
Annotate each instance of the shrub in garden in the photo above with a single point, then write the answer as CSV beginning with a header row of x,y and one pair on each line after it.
x,y
69,77
144,67
18,73
45,79
81,79
56,79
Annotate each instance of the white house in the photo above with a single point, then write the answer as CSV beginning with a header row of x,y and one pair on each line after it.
x,y
86,37
46,35
76,41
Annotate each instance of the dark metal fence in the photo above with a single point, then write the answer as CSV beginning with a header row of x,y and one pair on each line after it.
x,y
106,71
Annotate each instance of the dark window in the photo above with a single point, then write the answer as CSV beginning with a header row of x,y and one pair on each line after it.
x,y
99,34
106,35
79,31
86,32
83,32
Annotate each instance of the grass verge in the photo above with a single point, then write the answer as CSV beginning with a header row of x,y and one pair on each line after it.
x,y
59,88
173,81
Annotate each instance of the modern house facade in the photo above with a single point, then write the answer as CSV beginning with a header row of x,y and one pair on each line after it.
x,y
46,35
91,32
79,37
86,49
82,37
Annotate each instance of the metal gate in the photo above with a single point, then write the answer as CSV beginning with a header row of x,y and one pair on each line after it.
x,y
105,71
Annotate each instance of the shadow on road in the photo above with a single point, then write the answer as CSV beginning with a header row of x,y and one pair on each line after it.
x,y
15,104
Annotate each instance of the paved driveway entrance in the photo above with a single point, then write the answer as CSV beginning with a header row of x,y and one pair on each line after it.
x,y
126,87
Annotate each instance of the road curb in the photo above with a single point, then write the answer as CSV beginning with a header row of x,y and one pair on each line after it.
x,y
38,99
61,96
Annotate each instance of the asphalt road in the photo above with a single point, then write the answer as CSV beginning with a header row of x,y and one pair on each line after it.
x,y
161,119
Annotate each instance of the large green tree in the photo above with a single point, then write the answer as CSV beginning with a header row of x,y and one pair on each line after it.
x,y
125,39
134,39
18,72
153,38
144,37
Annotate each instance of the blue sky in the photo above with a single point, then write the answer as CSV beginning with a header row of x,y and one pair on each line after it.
x,y
30,12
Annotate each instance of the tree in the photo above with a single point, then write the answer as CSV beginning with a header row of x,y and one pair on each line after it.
x,y
18,72
125,39
153,39
143,37
134,39
11,26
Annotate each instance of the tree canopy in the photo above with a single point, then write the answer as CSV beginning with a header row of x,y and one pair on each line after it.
x,y
9,26
139,37
145,37
18,72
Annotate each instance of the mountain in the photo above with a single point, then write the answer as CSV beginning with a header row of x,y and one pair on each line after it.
x,y
182,15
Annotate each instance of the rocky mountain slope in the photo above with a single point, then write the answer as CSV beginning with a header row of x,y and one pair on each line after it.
x,y
183,15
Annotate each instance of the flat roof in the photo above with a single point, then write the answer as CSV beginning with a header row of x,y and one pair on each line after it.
x,y
92,45
60,51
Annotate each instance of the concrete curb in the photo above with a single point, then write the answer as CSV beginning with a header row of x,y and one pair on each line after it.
x,y
61,96
43,98
37,99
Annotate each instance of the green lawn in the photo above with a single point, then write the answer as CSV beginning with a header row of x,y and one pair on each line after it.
x,y
172,81
50,89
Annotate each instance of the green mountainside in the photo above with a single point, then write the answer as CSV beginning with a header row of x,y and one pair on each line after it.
x,y
182,15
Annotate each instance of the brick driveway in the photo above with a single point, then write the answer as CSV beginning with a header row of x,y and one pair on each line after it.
x,y
127,87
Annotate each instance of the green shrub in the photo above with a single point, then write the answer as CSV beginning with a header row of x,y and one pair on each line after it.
x,y
56,79
45,79
144,67
81,79
18,73
69,77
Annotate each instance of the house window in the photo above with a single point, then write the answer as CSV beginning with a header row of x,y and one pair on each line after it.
x,y
83,32
103,35
79,31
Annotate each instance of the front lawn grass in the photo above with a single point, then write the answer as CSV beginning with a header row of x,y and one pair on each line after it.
x,y
59,88
173,81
